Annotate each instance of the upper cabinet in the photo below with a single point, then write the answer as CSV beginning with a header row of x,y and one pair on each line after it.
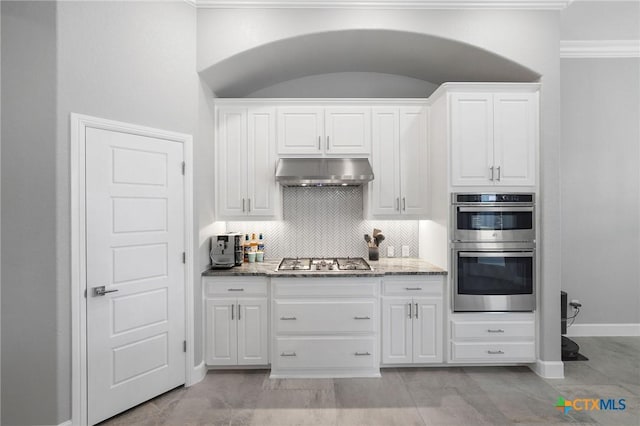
x,y
317,131
493,138
400,162
246,161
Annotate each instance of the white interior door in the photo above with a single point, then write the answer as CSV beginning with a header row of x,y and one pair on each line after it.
x,y
135,244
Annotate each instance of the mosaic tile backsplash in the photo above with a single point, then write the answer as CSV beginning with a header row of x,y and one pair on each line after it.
x,y
328,222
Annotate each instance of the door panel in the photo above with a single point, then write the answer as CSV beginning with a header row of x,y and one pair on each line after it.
x,y
135,333
221,329
414,161
252,332
427,330
471,138
396,331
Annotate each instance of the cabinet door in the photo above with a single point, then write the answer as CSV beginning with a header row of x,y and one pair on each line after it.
x,y
263,193
221,338
396,331
471,138
232,162
414,161
515,136
300,130
385,159
253,346
348,130
427,330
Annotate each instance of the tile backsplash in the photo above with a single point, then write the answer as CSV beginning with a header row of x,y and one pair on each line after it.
x,y
328,222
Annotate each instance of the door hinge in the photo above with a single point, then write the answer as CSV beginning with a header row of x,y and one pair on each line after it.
x,y
184,166
184,257
184,346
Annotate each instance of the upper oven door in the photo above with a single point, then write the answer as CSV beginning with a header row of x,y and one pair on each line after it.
x,y
495,223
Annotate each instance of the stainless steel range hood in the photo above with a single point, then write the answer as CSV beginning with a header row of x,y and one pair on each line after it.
x,y
323,171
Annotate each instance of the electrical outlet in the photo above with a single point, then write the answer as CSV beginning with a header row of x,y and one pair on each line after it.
x,y
405,251
391,251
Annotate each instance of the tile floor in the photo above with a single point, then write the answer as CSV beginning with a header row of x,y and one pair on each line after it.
x,y
415,396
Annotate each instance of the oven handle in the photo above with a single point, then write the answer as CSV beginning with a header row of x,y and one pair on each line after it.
x,y
501,209
495,254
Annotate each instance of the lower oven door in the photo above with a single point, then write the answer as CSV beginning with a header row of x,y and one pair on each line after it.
x,y
494,280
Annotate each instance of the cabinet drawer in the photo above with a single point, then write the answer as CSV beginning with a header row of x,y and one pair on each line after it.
x,y
324,317
427,286
330,287
319,352
497,352
493,330
235,287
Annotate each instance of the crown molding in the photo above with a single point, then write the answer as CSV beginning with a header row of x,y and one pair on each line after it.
x,y
382,4
585,49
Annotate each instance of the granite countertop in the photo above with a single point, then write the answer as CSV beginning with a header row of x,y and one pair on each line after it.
x,y
382,267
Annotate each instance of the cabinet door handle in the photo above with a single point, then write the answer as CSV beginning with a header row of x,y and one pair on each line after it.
x,y
498,174
319,142
491,178
361,318
498,352
404,204
328,143
410,310
232,307
243,205
248,205
412,288
239,312
288,354
235,289
362,354
416,311
398,203
288,318
497,330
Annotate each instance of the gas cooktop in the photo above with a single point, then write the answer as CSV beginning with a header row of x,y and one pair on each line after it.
x,y
324,264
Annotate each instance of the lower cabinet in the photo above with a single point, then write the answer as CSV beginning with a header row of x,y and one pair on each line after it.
x,y
493,338
325,327
236,328
412,326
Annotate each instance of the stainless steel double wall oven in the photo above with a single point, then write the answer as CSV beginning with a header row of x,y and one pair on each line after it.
x,y
493,252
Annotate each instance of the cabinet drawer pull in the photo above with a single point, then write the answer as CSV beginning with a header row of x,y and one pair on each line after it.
x,y
498,352
328,143
398,203
361,318
498,174
404,204
413,288
319,138
491,178
243,206
410,309
288,354
288,318
497,330
235,289
232,307
416,311
239,312
363,354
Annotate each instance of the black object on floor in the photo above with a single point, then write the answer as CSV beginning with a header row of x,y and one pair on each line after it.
x,y
570,351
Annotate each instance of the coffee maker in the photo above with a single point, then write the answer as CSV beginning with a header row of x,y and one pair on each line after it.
x,y
226,250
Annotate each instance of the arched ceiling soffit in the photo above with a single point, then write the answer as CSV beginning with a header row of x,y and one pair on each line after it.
x,y
414,55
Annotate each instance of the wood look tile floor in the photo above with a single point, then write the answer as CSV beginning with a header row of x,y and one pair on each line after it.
x,y
409,396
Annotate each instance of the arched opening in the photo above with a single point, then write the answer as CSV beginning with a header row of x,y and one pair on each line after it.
x,y
423,57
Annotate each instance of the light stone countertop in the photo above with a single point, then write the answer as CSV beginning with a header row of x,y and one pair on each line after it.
x,y
382,267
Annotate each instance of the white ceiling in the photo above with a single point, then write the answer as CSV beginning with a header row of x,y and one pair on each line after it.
x,y
433,59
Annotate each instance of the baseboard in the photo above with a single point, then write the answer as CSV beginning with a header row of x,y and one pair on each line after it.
x,y
67,423
548,369
589,330
198,374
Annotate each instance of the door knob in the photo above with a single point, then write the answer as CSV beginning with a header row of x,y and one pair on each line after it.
x,y
100,291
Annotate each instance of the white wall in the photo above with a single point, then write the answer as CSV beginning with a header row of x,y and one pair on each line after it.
x,y
126,61
530,38
29,293
349,85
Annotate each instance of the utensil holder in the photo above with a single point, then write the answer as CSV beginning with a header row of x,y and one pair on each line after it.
x,y
374,253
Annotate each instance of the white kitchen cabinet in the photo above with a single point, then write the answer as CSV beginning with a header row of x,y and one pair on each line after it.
x,y
318,130
412,324
493,138
400,162
246,160
236,326
492,338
